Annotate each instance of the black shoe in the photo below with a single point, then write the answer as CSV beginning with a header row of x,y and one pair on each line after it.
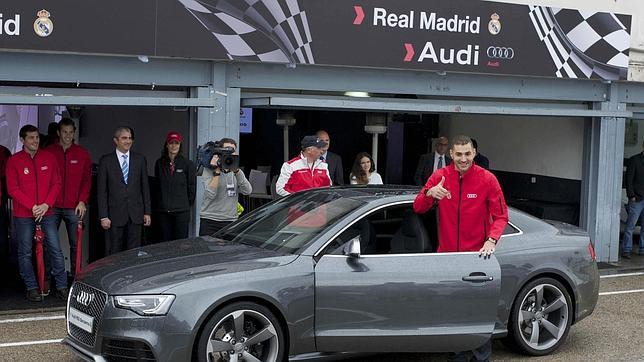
x,y
34,296
62,293
626,255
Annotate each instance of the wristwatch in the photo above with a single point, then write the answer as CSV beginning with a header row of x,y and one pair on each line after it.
x,y
492,240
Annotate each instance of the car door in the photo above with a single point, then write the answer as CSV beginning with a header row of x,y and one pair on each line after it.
x,y
410,302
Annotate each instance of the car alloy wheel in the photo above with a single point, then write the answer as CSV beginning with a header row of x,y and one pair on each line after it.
x,y
242,332
541,317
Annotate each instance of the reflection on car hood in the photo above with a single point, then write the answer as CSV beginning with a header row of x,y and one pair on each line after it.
x,y
155,268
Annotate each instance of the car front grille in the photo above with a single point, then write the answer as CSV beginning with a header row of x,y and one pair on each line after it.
x,y
121,350
90,301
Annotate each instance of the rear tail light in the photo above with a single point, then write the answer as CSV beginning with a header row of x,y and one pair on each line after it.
x,y
591,250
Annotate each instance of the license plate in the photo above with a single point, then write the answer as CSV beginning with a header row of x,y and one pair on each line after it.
x,y
80,319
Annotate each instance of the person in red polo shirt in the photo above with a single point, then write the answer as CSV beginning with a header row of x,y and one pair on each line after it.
x,y
33,181
75,167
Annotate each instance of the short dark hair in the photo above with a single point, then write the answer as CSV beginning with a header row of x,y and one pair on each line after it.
x,y
474,143
461,140
28,128
228,140
66,122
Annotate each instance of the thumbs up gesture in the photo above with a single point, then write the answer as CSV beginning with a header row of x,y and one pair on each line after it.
x,y
439,191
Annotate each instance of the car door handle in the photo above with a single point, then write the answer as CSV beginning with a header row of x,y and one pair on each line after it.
x,y
477,278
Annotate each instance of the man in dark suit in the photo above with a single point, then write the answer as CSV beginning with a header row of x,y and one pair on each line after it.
x,y
123,194
333,160
480,159
430,162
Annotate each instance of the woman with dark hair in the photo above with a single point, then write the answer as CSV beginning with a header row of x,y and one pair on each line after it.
x,y
364,171
177,178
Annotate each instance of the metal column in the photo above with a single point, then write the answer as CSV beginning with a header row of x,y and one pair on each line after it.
x,y
602,178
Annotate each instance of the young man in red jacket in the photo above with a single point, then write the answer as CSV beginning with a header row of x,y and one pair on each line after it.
x,y
75,167
33,181
472,212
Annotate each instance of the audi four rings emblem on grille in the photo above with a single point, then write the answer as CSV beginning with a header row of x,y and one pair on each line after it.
x,y
500,52
84,298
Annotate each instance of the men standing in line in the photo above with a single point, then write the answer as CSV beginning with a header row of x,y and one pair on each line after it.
x,y
123,194
75,167
33,181
223,186
465,189
635,206
305,171
336,172
430,162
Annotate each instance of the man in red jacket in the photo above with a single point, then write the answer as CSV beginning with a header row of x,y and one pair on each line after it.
x,y
75,167
472,212
33,181
306,171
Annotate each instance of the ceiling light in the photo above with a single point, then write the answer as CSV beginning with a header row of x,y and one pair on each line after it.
x,y
357,94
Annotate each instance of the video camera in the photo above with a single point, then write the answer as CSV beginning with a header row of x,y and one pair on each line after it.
x,y
227,161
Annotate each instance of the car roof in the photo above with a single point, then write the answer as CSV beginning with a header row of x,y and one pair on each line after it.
x,y
369,192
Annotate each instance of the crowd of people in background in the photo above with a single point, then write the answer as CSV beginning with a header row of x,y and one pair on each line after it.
x,y
51,184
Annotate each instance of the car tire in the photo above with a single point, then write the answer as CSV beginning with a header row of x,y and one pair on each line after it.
x,y
248,329
540,318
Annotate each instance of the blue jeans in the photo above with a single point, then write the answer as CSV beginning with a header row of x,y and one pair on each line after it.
x,y
634,209
25,228
71,223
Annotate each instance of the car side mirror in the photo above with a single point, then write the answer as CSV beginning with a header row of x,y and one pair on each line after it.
x,y
352,248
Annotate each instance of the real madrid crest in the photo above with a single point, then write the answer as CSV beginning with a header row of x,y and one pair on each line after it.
x,y
494,26
26,171
43,26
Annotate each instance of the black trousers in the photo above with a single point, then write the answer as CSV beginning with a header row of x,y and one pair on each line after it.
x,y
174,225
121,238
208,227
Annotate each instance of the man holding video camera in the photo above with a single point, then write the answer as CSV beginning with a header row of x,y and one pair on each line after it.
x,y
223,182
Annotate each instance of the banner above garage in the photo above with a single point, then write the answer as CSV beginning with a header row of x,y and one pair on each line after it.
x,y
446,35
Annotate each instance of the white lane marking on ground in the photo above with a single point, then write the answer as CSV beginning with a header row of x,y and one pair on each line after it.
x,y
621,275
32,319
30,343
623,292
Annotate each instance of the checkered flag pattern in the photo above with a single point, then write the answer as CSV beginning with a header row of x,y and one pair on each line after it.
x,y
266,30
583,44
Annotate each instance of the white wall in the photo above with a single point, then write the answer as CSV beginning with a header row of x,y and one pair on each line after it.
x,y
629,7
545,146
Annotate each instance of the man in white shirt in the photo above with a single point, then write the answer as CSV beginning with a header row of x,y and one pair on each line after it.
x,y
430,162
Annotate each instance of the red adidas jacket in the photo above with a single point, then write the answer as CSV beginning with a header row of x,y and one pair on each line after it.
x,y
75,168
32,181
475,211
296,175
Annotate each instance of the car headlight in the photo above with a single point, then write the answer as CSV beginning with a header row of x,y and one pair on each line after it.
x,y
145,305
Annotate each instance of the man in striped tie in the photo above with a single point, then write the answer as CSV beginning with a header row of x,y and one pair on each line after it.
x,y
123,194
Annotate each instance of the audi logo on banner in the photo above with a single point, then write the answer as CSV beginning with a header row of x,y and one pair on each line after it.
x,y
500,52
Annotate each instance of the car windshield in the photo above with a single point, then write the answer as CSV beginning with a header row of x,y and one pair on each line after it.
x,y
291,223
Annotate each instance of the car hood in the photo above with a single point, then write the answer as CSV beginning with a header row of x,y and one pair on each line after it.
x,y
156,268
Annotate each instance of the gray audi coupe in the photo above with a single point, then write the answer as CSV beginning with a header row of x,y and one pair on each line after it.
x,y
325,271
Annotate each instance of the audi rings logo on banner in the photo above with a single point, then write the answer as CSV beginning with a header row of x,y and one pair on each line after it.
x,y
500,52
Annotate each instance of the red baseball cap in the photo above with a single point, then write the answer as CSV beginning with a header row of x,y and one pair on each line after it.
x,y
173,136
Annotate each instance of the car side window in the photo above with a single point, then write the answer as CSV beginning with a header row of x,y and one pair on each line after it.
x,y
391,230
